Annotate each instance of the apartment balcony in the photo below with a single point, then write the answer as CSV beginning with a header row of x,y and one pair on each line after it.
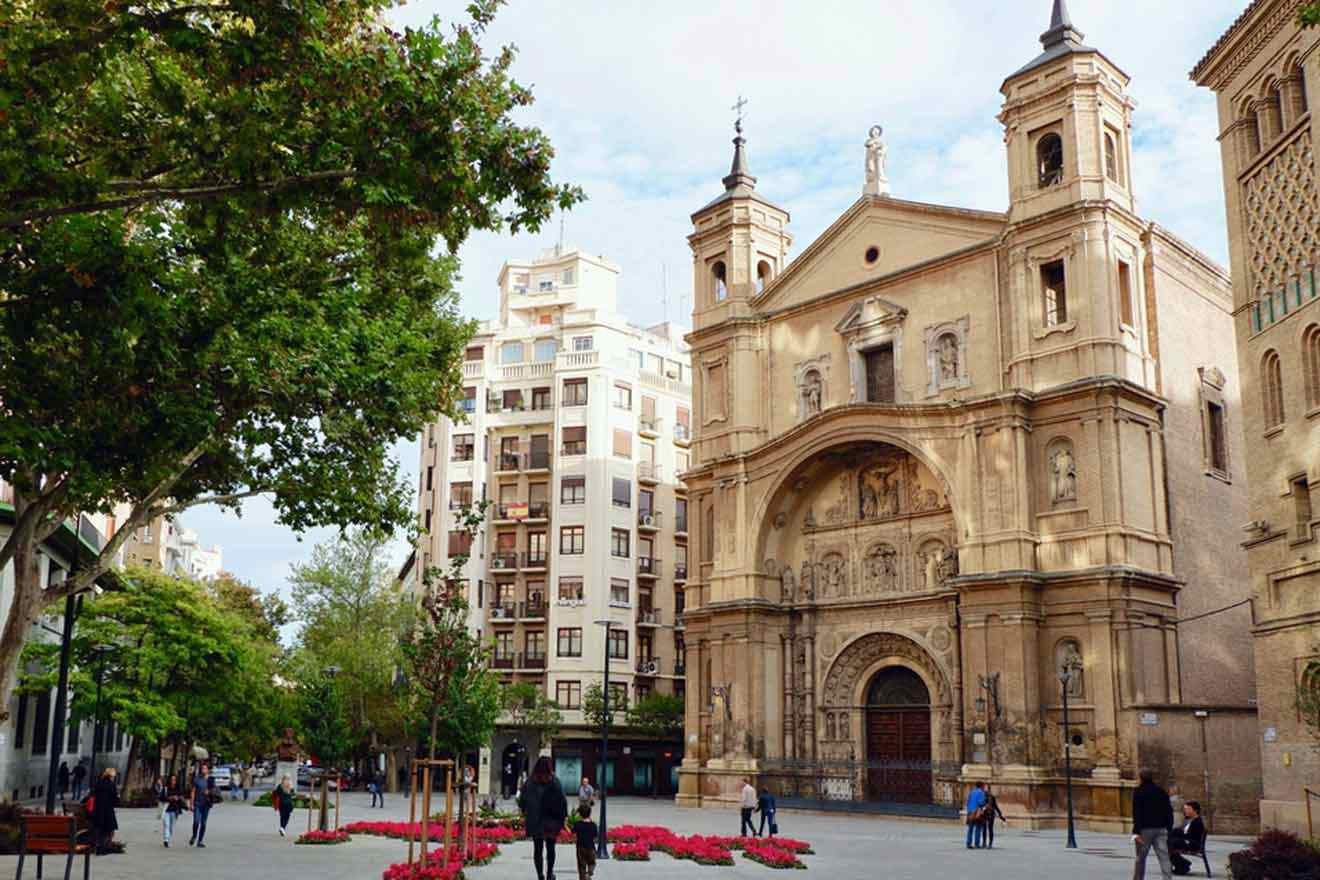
x,y
680,669
649,666
577,360
682,435
680,573
531,370
460,503
531,661
648,472
680,527
537,462
648,567
574,448
508,463
509,511
473,369
648,617
506,560
649,427
648,520
532,611
538,511
503,661
506,612
534,560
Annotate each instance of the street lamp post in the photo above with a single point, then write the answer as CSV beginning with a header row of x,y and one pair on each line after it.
x,y
58,734
101,651
602,852
1065,676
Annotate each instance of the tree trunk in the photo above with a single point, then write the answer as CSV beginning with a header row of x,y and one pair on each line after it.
x,y
24,609
435,722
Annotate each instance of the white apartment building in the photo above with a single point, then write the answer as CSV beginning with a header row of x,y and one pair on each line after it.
x,y
577,429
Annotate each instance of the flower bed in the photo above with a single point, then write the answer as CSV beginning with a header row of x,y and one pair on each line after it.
x,y
435,869
771,856
788,844
632,852
323,838
435,832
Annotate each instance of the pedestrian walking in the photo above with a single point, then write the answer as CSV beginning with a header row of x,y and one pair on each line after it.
x,y
747,805
586,794
62,779
105,797
283,799
171,805
245,780
765,805
199,801
585,831
79,774
991,812
544,810
1152,817
976,801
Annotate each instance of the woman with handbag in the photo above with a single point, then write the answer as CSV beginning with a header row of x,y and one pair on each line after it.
x,y
976,816
105,797
171,805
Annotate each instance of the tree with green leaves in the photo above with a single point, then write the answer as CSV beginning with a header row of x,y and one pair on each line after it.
x,y
266,612
658,715
323,719
218,272
593,705
1310,14
179,665
353,617
524,707
454,696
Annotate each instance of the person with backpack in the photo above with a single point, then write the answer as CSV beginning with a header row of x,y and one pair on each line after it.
x,y
544,810
976,801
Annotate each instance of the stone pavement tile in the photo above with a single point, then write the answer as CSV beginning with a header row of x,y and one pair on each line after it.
x,y
242,844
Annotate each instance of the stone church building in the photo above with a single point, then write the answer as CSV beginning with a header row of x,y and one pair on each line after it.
x,y
944,456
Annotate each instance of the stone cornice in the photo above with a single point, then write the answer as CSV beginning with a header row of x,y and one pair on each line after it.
x,y
1243,40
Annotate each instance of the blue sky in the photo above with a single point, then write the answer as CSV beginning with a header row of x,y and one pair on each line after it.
x,y
635,97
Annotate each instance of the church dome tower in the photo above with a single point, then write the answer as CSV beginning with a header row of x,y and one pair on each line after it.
x,y
1067,125
739,244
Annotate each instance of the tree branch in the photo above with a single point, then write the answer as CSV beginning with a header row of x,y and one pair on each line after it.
x,y
205,499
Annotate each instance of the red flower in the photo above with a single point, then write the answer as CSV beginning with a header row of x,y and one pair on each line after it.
x,y
632,852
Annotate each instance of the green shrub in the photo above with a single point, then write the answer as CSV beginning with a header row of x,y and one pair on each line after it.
x,y
1276,855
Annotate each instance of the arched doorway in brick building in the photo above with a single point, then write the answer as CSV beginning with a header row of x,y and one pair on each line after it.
x,y
898,737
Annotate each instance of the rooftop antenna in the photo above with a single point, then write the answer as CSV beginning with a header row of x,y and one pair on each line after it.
x,y
559,248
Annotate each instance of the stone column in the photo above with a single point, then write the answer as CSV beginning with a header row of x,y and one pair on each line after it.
x,y
1292,98
1100,679
1270,115
809,698
790,718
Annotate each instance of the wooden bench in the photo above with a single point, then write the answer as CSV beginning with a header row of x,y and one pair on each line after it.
x,y
52,835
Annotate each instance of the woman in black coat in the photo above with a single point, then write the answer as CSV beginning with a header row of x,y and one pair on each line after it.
x,y
106,798
544,809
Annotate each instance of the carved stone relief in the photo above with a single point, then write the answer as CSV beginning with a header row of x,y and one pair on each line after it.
x,y
847,669
946,356
1061,471
788,589
1068,655
812,380
879,489
880,569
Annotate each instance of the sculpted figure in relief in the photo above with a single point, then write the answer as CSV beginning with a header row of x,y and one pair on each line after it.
x,y
948,357
881,569
877,180
934,558
786,583
811,393
948,564
1063,475
1071,659
808,581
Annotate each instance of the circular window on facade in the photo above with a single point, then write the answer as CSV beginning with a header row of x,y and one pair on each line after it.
x,y
872,255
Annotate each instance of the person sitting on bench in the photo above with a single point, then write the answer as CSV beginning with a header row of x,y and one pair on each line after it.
x,y
1190,838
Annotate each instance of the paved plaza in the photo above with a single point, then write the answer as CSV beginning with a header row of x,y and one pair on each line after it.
x,y
242,843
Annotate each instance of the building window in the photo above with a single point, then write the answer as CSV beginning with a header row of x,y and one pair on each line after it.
x,y
1112,169
619,540
575,392
41,724
682,424
1054,291
619,591
1216,437
570,589
622,493
1272,389
643,691
539,458
622,443
618,695
469,402
879,364
463,447
1301,493
569,641
511,353
1311,364
430,478
583,343
622,395
572,540
536,549
536,644
568,694
1049,160
71,746
763,275
682,461
540,398
460,495
543,350
575,440
680,515
618,649
474,353
460,543
504,646
717,275
567,277
512,401
573,490
1127,308
20,721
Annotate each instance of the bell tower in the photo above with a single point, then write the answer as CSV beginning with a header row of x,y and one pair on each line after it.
x,y
1067,125
739,244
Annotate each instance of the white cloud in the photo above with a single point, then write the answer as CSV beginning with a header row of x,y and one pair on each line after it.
x,y
635,97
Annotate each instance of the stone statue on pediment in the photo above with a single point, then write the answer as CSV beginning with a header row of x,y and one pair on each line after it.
x,y
877,178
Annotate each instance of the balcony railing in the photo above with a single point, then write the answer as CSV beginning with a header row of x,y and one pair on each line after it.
x,y
649,666
532,610
648,566
680,572
680,525
500,405
680,668
682,433
503,661
534,559
459,503
538,461
538,510
531,661
504,561
473,369
648,471
509,509
648,519
574,448
504,611
508,462
648,616
649,425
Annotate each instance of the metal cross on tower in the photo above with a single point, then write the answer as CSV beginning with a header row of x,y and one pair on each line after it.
x,y
738,108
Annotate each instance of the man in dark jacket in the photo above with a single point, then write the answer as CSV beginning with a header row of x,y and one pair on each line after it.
x,y
1190,838
1152,817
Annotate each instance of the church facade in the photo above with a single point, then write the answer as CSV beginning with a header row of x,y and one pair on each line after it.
x,y
954,467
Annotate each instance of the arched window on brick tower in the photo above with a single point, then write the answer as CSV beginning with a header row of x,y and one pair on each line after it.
x,y
719,286
1272,388
1049,160
1311,364
764,274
